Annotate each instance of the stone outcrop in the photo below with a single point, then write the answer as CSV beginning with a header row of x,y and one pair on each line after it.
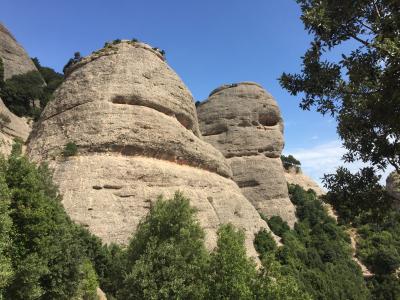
x,y
11,127
15,60
393,187
243,121
136,130
296,176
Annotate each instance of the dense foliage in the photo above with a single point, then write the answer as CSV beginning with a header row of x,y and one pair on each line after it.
x,y
43,254
357,198
23,93
290,162
232,274
70,149
166,258
362,90
317,252
52,78
20,93
361,202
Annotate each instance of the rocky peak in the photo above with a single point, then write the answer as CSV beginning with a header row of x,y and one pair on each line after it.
x,y
15,60
135,127
244,122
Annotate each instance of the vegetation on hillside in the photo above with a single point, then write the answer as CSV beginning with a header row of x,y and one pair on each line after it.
x,y
27,94
316,252
362,203
43,254
361,91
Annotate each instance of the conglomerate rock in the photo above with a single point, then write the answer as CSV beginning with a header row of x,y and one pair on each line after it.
x,y
136,130
15,60
244,122
11,127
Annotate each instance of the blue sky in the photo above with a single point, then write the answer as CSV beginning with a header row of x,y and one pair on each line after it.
x,y
208,43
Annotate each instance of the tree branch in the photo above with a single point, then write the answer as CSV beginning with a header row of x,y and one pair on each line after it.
x,y
365,43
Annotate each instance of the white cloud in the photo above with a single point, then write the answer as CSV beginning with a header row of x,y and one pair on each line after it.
x,y
325,159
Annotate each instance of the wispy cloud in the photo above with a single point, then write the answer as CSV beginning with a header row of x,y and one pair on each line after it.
x,y
325,159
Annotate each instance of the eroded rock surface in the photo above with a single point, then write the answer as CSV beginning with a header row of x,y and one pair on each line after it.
x,y
244,122
11,127
15,60
135,126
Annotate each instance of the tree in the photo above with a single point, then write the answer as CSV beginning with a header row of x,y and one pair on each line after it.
x,y
166,258
274,284
362,90
290,162
87,289
316,253
357,198
6,271
264,243
46,253
232,274
20,91
277,225
52,78
77,57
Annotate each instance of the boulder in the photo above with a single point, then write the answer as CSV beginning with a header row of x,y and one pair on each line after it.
x,y
244,122
135,127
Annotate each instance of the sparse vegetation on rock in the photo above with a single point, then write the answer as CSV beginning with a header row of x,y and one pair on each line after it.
x,y
70,149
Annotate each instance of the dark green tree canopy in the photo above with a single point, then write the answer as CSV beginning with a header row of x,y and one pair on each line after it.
x,y
362,90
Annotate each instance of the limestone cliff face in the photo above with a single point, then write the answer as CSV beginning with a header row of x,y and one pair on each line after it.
x,y
15,60
137,133
244,122
11,127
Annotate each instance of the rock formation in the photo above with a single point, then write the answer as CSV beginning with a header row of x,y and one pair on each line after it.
x,y
15,60
244,122
11,127
136,130
296,176
393,187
